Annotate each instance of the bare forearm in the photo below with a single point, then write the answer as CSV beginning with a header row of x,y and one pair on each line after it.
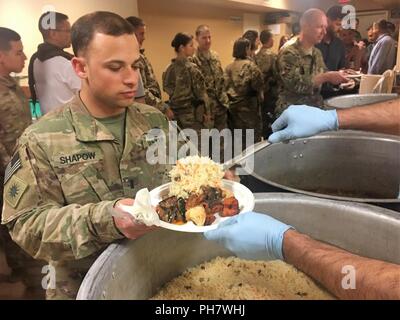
x,y
319,79
326,264
382,117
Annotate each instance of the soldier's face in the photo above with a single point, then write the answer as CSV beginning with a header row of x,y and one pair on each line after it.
x,y
141,35
109,70
204,40
270,43
13,60
189,49
316,29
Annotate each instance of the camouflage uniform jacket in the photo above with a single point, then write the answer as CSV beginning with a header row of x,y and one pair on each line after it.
x,y
211,69
15,114
266,61
69,171
152,89
296,69
243,80
185,85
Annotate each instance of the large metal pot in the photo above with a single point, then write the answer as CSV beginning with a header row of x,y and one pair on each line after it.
x,y
345,165
137,269
352,100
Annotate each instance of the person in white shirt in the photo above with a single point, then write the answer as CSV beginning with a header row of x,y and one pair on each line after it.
x,y
51,78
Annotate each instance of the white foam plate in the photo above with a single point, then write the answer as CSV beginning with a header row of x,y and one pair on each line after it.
x,y
244,196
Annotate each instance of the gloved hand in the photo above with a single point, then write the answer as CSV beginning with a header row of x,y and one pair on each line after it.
x,y
303,121
251,235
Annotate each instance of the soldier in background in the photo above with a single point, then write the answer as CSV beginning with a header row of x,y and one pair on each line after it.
x,y
14,106
185,85
152,89
74,167
301,67
253,37
210,66
15,118
266,61
244,86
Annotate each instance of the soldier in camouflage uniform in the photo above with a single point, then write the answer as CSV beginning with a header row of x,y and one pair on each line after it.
x,y
15,118
185,85
301,67
14,106
75,166
210,66
153,95
266,61
244,86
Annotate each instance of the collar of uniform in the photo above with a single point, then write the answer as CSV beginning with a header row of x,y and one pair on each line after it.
x,y
204,56
181,60
87,128
8,82
301,49
142,50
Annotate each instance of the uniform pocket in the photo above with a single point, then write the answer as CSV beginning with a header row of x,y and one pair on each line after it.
x,y
85,187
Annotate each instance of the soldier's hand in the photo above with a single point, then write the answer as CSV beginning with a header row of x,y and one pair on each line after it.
x,y
335,77
231,175
169,114
126,224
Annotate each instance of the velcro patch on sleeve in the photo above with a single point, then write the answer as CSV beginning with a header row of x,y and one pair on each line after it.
x,y
14,165
14,190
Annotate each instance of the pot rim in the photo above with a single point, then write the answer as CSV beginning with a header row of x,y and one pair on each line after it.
x,y
360,135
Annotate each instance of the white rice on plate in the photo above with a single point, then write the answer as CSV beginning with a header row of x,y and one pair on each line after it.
x,y
191,173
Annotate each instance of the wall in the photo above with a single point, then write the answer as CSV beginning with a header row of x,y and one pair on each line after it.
x,y
398,58
165,18
368,17
22,15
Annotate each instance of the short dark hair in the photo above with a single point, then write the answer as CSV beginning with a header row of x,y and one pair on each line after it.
x,y
265,36
108,23
240,48
252,36
201,28
335,13
6,36
384,25
181,39
136,22
59,17
391,27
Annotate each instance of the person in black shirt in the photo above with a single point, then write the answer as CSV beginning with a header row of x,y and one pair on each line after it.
x,y
332,48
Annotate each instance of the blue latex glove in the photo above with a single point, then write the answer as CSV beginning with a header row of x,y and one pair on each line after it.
x,y
303,121
251,235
